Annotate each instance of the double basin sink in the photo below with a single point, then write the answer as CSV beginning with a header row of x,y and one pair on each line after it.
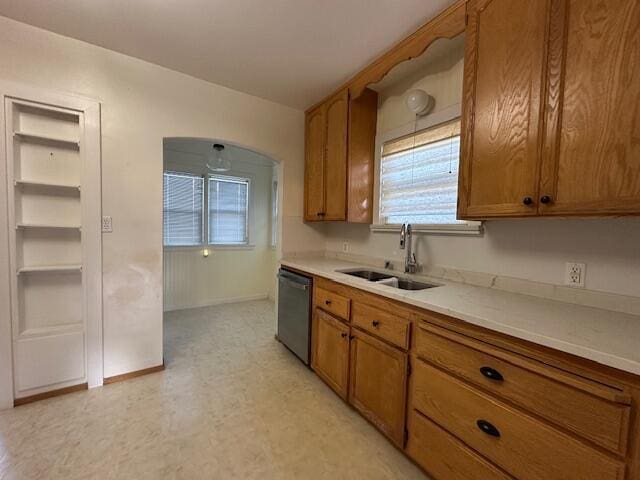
x,y
390,280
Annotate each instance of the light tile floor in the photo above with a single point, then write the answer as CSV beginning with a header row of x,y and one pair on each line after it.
x,y
232,404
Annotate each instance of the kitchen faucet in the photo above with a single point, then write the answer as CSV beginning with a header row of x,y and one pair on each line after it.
x,y
410,262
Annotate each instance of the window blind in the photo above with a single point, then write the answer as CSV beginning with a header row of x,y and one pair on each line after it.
x,y
419,177
182,204
228,210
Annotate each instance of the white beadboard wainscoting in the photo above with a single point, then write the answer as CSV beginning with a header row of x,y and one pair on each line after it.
x,y
225,276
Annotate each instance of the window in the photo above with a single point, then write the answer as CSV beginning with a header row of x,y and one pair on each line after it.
x,y
183,197
419,177
228,210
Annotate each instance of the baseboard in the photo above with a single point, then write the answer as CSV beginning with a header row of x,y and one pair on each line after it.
x,y
220,301
134,374
53,393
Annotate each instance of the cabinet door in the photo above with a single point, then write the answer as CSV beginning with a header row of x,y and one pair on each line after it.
x,y
363,117
591,162
335,168
378,383
314,165
330,352
503,85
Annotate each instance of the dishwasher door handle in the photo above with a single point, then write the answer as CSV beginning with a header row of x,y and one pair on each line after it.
x,y
293,284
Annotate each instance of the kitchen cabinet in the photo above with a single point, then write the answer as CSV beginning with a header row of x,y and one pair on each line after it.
x,y
550,116
330,351
326,159
377,384
503,95
465,402
591,157
314,164
339,158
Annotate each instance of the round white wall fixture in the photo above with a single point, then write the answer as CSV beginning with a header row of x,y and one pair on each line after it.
x,y
419,101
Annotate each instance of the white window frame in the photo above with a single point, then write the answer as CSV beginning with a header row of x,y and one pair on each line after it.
x,y
443,116
247,218
204,243
203,222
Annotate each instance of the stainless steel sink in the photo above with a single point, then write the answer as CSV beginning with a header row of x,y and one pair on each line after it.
x,y
369,275
390,280
407,284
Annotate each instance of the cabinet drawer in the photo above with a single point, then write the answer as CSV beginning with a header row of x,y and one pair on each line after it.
x,y
445,457
604,422
332,303
523,446
382,324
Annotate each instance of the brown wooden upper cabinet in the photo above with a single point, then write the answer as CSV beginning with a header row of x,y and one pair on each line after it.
x,y
551,109
339,158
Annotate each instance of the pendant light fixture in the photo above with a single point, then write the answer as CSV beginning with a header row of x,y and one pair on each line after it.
x,y
217,160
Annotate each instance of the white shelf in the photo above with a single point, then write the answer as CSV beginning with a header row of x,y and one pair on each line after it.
x,y
47,139
40,225
50,268
60,186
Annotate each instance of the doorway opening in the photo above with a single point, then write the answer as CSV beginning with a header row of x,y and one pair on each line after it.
x,y
221,209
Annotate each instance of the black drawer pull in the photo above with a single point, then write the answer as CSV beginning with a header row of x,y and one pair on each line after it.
x,y
327,302
491,374
487,428
375,323
344,335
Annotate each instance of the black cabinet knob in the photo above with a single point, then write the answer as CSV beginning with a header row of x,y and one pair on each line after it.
x,y
375,323
545,199
491,374
344,335
327,302
488,428
527,200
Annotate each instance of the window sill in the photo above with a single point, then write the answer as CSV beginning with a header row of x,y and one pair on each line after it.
x,y
232,247
177,248
471,228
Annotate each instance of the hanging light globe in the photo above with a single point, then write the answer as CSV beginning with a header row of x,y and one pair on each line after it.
x,y
218,160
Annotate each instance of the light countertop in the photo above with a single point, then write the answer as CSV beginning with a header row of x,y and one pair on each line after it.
x,y
607,337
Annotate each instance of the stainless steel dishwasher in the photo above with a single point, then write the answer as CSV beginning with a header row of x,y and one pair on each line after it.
x,y
294,313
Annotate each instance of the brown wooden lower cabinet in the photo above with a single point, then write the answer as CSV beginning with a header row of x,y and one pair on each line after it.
x,y
378,384
475,405
330,351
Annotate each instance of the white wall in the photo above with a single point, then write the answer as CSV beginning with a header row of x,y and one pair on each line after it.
x,y
228,273
533,249
141,104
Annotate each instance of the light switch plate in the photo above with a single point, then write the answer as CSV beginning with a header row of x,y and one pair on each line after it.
x,y
107,224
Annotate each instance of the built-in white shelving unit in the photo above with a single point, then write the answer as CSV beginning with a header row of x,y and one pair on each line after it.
x,y
47,162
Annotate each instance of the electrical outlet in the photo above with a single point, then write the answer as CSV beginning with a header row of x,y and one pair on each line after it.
x,y
107,224
345,247
574,274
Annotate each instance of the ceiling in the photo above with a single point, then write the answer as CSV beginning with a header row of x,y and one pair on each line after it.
x,y
197,150
293,52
